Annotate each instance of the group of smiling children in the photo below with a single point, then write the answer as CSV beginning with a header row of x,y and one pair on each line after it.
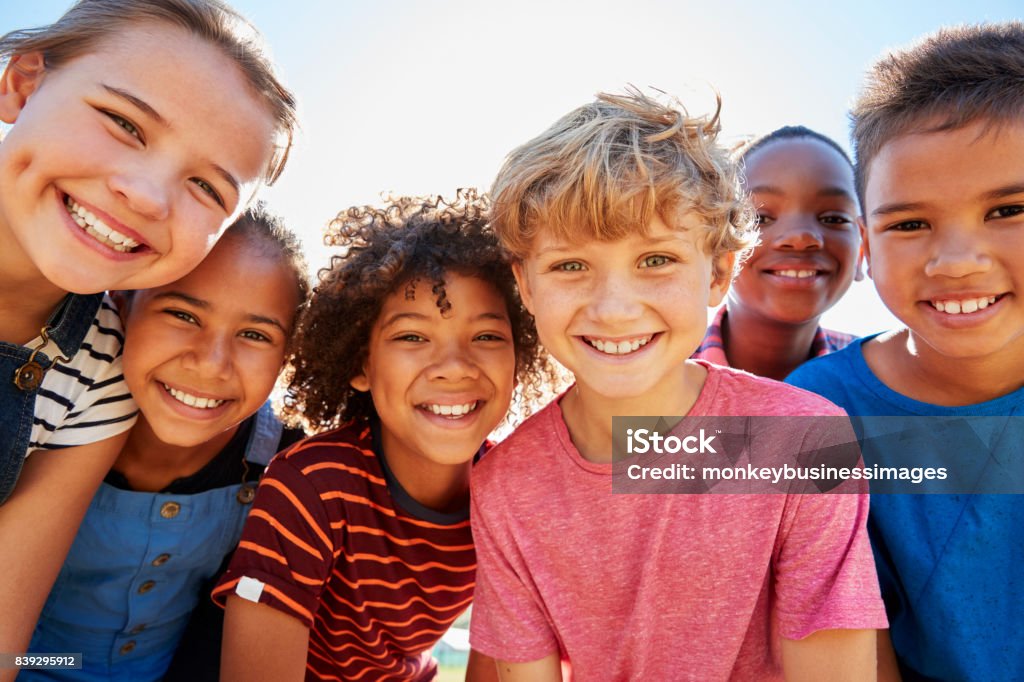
x,y
136,425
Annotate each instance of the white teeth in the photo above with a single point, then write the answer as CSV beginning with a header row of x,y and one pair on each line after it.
x,y
619,347
98,229
193,401
797,274
965,306
453,411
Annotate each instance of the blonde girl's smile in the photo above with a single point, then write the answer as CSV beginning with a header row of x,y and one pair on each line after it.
x,y
120,173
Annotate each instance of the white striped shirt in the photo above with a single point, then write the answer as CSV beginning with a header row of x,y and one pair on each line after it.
x,y
86,399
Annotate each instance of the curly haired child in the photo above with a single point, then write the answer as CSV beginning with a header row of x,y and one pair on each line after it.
x,y
358,553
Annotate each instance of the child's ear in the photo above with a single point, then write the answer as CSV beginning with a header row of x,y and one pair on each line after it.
x,y
360,382
523,282
863,265
721,278
20,79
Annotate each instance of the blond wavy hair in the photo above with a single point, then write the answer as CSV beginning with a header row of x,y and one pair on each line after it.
x,y
605,169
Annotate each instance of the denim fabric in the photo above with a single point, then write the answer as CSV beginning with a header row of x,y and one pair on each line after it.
x,y
132,578
67,327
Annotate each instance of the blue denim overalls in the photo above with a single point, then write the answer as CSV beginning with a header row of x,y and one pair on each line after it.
x,y
66,327
133,575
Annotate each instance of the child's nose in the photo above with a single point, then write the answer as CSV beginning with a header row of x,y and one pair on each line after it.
x,y
453,362
957,254
614,300
145,193
800,233
210,356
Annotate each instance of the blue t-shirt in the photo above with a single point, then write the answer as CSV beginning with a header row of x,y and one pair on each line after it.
x,y
951,567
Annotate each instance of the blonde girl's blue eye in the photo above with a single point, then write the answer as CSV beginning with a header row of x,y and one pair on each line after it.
x,y
208,188
763,220
655,261
569,266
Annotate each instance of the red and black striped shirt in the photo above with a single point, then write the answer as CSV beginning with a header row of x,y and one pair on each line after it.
x,y
338,544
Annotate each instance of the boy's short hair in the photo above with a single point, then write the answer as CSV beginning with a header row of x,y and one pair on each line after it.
x,y
789,133
604,170
946,81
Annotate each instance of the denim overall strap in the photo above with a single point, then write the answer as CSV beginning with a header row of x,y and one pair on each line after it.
x,y
67,327
264,437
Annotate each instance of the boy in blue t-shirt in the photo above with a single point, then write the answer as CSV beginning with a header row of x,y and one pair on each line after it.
x,y
939,140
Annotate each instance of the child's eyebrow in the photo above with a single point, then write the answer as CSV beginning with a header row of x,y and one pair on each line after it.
x,y
897,207
398,317
420,317
500,317
1004,191
564,248
205,305
997,193
836,192
138,103
145,108
262,319
191,300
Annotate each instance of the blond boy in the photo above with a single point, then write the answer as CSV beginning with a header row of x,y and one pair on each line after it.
x,y
625,221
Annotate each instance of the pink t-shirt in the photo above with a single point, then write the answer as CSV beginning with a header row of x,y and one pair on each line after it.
x,y
661,587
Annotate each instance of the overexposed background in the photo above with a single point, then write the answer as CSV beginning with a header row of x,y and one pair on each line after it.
x,y
425,97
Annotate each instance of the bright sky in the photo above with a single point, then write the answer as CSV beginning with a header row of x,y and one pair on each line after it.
x,y
425,97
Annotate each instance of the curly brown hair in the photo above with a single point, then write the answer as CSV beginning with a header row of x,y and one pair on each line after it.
x,y
386,248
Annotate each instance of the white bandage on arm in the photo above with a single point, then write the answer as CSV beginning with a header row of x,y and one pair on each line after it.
x,y
249,588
